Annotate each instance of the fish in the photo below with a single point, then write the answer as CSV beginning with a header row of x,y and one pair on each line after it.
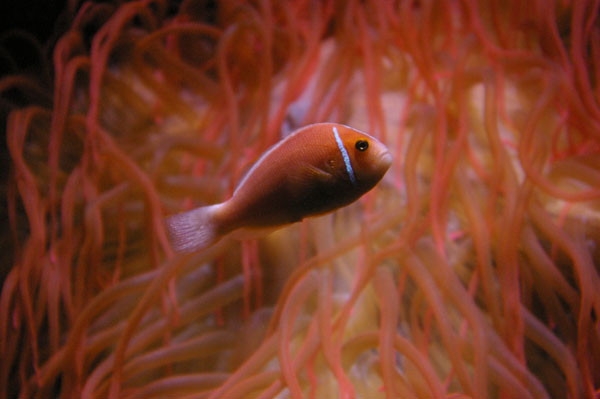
x,y
313,171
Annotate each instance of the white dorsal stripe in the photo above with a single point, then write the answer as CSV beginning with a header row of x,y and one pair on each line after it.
x,y
270,150
344,155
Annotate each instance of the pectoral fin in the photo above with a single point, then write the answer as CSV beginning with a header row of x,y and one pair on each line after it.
x,y
306,179
311,172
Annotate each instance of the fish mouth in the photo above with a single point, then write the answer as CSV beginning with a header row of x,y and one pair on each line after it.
x,y
385,159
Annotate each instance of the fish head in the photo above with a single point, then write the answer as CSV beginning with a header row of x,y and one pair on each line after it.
x,y
369,158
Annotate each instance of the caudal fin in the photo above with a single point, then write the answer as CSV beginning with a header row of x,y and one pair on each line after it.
x,y
193,230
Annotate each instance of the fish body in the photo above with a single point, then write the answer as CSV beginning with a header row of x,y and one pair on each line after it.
x,y
313,171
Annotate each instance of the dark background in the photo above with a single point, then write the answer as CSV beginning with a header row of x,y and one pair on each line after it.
x,y
40,18
35,16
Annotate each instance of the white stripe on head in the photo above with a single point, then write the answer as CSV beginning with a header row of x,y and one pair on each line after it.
x,y
344,155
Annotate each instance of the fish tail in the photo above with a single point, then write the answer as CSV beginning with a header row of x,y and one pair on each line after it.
x,y
193,230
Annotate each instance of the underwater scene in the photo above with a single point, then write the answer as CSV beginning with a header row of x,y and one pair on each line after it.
x,y
427,227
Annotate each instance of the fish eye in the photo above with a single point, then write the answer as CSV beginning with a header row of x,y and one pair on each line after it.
x,y
362,145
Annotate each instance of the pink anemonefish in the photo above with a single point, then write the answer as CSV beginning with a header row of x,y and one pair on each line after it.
x,y
315,170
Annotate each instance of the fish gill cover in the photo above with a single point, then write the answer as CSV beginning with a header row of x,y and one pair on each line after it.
x,y
471,271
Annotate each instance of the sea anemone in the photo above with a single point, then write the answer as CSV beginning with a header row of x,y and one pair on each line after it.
x,y
470,271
